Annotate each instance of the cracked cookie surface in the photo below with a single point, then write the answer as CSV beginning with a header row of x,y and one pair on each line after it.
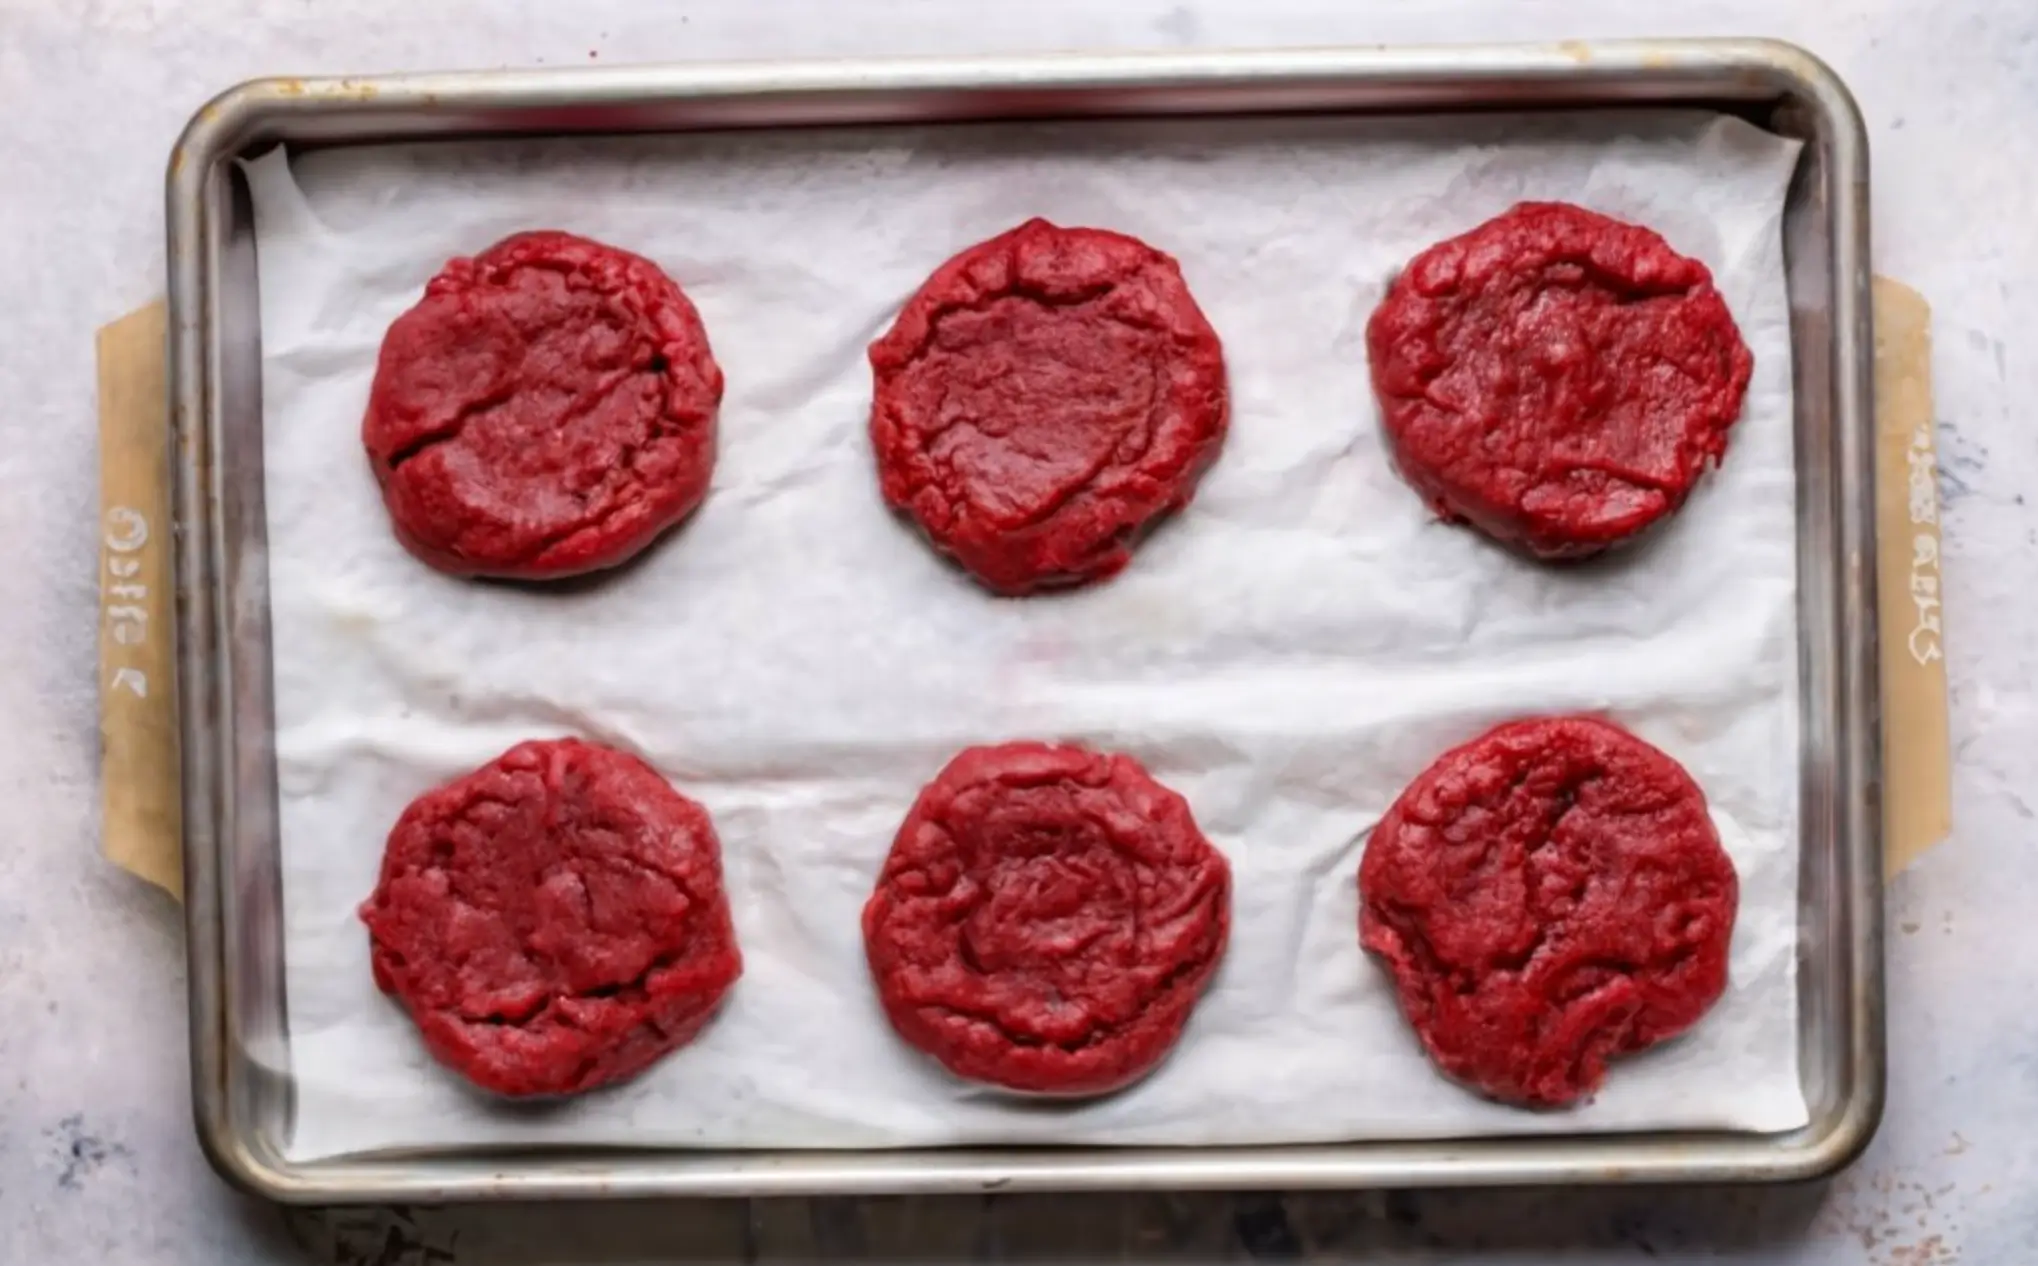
x,y
553,921
547,409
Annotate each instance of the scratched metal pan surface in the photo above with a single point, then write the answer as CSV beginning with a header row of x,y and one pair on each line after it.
x,y
240,1067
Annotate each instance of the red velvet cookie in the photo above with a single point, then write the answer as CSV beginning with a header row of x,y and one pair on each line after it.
x,y
1046,919
1044,398
1548,896
553,921
547,408
1556,378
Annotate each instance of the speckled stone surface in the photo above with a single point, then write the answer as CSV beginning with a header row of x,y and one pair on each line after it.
x,y
97,1162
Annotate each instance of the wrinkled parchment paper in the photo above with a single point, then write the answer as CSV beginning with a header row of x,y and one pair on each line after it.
x,y
1287,654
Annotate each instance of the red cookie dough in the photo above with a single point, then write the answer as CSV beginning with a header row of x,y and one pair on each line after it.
x,y
553,921
548,408
1046,919
1548,896
1556,378
1044,398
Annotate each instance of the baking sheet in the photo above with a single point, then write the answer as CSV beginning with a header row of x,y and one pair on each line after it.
x,y
1286,654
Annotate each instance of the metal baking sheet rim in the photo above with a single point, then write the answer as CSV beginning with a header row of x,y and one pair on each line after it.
x,y
222,613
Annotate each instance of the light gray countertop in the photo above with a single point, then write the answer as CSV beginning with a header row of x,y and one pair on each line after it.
x,y
97,1158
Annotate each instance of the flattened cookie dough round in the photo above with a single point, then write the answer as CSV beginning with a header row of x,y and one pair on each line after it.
x,y
1046,919
1556,378
553,921
1042,400
548,408
1549,896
